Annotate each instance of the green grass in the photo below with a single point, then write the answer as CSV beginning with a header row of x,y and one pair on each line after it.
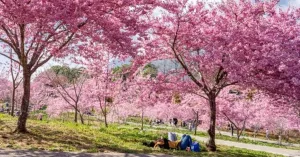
x,y
55,135
224,137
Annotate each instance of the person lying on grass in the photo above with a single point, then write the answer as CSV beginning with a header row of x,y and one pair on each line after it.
x,y
184,144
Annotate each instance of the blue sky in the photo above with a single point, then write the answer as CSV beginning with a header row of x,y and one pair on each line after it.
x,y
283,2
293,3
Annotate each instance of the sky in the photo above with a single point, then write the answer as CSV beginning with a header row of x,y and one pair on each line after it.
x,y
283,4
292,3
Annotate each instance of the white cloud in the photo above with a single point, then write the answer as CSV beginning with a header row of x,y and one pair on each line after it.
x,y
294,3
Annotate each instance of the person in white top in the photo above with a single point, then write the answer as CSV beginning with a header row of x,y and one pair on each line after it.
x,y
267,133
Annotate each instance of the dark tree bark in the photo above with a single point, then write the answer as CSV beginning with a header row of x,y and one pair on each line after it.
x,y
196,122
142,128
81,118
21,127
231,128
76,115
240,131
105,119
13,101
211,145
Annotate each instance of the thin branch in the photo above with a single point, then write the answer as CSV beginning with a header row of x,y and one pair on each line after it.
x,y
230,120
32,42
9,57
41,63
9,36
199,95
225,85
18,83
63,88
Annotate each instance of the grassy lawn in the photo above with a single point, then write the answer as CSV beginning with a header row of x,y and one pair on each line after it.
x,y
58,136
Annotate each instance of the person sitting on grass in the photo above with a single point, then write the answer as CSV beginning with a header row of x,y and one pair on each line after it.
x,y
184,144
167,144
161,143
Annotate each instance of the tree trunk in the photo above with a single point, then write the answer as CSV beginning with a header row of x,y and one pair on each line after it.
x,y
211,145
255,132
231,128
197,121
25,102
105,120
75,118
13,100
142,120
287,136
63,118
279,139
81,118
238,133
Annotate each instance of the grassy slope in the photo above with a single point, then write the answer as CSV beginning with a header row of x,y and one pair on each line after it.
x,y
58,136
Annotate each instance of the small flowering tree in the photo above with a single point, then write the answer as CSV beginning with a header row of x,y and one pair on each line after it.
x,y
103,87
69,91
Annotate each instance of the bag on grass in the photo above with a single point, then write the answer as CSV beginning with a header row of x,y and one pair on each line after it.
x,y
172,136
195,147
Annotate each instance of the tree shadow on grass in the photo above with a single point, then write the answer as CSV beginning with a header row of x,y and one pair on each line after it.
x,y
27,153
43,137
4,126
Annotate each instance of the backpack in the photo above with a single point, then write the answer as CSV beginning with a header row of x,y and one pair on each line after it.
x,y
195,147
172,136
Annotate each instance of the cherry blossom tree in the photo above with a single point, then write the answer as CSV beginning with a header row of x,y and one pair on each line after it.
x,y
69,91
38,31
42,91
103,86
239,109
137,91
140,93
283,117
229,43
195,107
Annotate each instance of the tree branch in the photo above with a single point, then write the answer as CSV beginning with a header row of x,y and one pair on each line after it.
x,y
173,47
9,57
